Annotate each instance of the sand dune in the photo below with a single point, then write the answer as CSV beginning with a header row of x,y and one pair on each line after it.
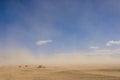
x,y
59,73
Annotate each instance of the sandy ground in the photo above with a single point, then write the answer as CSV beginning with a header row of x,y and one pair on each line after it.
x,y
60,73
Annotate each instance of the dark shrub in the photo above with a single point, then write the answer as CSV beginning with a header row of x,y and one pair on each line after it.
x,y
19,66
40,66
26,65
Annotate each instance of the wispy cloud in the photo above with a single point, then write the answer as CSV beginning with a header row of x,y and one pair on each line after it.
x,y
94,47
110,43
43,42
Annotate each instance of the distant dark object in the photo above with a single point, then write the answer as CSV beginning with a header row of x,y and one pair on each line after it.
x,y
40,66
26,65
19,66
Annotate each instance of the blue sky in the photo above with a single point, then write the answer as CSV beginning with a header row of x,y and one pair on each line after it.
x,y
59,26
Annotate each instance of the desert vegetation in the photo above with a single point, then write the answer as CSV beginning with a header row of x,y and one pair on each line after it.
x,y
41,66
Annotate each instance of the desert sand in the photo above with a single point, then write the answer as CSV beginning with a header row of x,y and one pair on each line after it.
x,y
36,72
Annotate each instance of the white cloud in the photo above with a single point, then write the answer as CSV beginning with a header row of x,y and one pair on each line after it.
x,y
94,47
110,43
42,42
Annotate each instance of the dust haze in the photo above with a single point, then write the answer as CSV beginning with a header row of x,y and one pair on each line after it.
x,y
19,56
